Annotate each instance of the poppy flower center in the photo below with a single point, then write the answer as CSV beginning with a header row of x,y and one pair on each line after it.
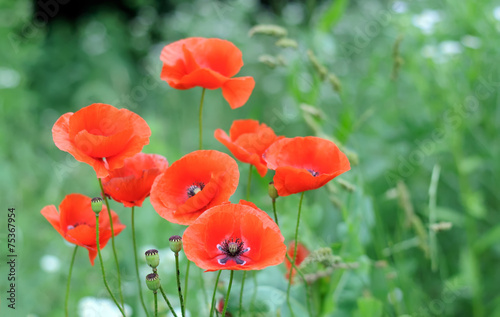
x,y
195,189
76,225
232,249
313,172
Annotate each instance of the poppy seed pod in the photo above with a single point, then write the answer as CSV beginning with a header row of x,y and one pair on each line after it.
x,y
153,281
175,243
152,258
96,205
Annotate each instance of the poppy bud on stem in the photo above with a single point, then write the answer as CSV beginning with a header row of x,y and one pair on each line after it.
x,y
153,283
176,246
96,204
152,258
273,193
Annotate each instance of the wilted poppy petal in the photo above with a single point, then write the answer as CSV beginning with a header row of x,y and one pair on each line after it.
x,y
236,91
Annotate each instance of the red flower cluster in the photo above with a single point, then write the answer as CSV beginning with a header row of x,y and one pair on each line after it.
x,y
234,237
132,183
75,222
196,182
208,63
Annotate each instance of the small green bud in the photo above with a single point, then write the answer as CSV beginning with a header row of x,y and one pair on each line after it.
x,y
175,243
96,204
153,281
273,193
152,258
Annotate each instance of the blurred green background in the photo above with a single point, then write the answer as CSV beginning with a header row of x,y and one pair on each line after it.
x,y
419,93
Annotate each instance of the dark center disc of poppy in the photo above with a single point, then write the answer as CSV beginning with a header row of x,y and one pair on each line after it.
x,y
233,249
195,189
313,172
76,225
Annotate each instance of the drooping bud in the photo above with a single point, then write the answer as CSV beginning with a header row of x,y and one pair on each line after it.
x,y
175,243
153,281
273,193
96,204
152,258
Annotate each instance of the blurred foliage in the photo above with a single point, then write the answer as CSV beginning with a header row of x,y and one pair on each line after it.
x,y
419,87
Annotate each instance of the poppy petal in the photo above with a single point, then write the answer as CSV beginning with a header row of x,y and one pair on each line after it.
x,y
236,91
50,213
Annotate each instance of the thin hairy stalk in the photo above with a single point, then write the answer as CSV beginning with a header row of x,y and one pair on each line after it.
x,y
274,210
102,266
179,282
167,301
201,118
69,280
156,303
112,241
227,295
241,292
215,291
186,279
139,284
294,256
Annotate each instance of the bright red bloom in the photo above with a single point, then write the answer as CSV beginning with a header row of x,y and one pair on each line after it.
x,y
75,222
247,141
304,163
302,253
196,182
132,183
208,63
234,237
101,136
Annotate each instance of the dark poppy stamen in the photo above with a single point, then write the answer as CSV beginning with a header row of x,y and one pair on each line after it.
x,y
313,172
233,249
195,189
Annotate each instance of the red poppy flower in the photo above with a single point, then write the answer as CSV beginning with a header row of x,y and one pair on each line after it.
x,y
302,253
247,141
132,183
304,163
234,237
208,63
101,136
196,182
75,222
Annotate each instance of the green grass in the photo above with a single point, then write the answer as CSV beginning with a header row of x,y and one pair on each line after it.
x,y
436,111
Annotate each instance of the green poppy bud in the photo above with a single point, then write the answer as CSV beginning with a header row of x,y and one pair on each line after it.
x,y
152,258
273,193
175,243
153,281
96,204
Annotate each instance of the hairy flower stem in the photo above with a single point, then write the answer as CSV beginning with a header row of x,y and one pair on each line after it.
x,y
179,282
112,241
215,291
201,118
227,295
156,303
167,301
102,265
186,279
137,264
241,292
274,210
294,255
69,280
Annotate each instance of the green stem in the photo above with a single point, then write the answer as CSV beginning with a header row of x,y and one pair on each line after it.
x,y
156,303
201,118
179,282
227,295
167,301
308,290
274,210
102,265
137,264
112,241
249,181
254,295
69,280
294,255
215,291
241,291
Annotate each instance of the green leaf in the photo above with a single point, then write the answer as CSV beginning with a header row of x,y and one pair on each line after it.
x,y
332,14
